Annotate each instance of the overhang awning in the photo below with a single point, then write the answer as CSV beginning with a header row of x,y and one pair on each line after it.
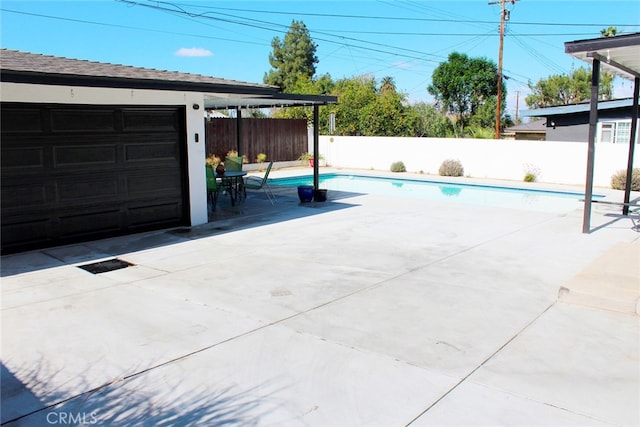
x,y
219,101
621,56
270,99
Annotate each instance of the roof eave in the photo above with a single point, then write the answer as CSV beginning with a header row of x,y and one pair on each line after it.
x,y
30,77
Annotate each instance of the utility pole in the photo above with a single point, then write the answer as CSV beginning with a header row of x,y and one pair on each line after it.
x,y
504,16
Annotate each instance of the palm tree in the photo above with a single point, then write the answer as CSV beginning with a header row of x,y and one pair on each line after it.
x,y
387,85
609,32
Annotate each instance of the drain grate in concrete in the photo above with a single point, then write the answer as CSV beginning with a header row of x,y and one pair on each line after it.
x,y
105,266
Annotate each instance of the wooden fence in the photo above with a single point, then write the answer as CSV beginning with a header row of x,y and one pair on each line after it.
x,y
279,139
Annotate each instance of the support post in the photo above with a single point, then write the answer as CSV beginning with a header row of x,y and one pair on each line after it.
x,y
593,122
239,131
316,148
632,145
499,96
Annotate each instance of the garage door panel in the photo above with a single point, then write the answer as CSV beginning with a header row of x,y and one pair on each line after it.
x,y
155,120
18,120
161,182
27,231
151,152
84,155
162,213
89,223
87,189
21,195
82,120
22,158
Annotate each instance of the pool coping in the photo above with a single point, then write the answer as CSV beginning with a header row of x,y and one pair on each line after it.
x,y
606,194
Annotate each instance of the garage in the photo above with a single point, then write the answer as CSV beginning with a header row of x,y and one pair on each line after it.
x,y
78,172
91,150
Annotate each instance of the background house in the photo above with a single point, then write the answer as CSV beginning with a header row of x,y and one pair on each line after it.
x,y
571,122
531,131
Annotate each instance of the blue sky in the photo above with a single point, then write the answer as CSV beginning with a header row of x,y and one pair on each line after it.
x,y
404,39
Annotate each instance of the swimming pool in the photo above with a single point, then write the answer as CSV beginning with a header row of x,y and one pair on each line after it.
x,y
473,194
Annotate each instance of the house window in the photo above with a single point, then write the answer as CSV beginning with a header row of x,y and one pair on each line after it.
x,y
607,131
623,133
617,132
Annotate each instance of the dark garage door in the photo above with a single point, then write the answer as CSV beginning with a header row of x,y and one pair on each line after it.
x,y
74,173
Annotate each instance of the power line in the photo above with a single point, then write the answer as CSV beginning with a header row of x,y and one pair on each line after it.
x,y
411,53
104,24
396,33
392,18
542,58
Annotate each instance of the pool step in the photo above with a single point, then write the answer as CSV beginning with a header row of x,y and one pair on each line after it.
x,y
611,282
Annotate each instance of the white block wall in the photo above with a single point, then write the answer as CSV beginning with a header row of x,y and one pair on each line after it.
x,y
558,162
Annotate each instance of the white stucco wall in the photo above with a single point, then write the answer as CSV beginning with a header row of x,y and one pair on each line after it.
x,y
16,92
558,162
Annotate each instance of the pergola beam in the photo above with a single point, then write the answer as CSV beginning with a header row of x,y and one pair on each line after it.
x,y
615,64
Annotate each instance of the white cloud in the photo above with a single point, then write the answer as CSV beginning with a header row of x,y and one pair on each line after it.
x,y
193,51
402,64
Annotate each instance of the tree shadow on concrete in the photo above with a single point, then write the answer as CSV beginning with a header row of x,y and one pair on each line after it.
x,y
127,402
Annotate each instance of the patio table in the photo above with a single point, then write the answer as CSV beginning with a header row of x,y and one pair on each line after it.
x,y
232,180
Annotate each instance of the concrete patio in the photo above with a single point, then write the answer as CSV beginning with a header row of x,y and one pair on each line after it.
x,y
363,310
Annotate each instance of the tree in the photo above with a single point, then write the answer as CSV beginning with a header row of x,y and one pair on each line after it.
x,y
387,85
292,58
609,32
462,84
562,89
363,108
430,122
354,95
322,85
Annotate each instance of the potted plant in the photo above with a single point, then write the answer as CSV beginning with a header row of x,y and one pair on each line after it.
x,y
305,193
261,159
212,161
310,158
320,195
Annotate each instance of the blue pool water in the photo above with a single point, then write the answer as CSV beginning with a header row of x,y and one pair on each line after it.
x,y
475,194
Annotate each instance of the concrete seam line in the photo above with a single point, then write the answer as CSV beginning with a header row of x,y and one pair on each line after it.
x,y
491,356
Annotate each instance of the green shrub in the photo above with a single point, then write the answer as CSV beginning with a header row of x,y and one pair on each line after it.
x,y
619,180
531,172
398,167
451,167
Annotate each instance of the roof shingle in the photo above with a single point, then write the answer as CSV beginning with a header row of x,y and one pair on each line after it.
x,y
13,60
